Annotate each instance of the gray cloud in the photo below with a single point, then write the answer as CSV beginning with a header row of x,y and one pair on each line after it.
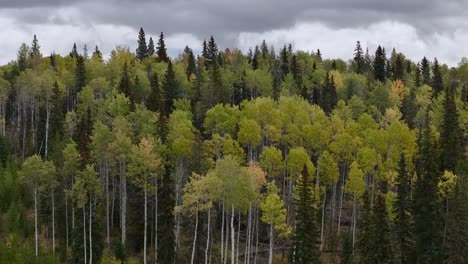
x,y
227,19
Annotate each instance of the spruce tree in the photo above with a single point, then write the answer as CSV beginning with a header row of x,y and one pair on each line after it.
x,y
427,209
409,108
166,237
151,49
425,72
451,135
212,51
364,247
142,49
80,82
97,55
319,55
403,218
191,63
284,62
296,72
437,80
417,75
359,58
205,50
255,58
379,64
74,52
161,49
85,52
398,70
306,239
154,99
264,49
170,88
35,47
380,233
125,85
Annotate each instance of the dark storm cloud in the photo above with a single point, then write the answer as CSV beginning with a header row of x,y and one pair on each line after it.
x,y
227,20
224,18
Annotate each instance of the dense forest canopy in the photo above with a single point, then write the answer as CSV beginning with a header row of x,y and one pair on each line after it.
x,y
274,156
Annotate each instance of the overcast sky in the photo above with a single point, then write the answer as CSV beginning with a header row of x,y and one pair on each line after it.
x,y
415,27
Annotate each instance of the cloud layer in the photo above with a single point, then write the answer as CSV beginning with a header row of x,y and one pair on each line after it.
x,y
417,28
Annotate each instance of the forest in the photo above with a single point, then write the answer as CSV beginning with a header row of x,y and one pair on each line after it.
x,y
273,156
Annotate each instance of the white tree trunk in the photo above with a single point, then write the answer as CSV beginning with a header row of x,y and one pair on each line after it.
x,y
208,235
156,222
146,225
53,222
47,129
35,220
84,236
238,234
323,219
107,204
270,255
195,237
247,242
66,227
354,220
90,229
233,233
222,233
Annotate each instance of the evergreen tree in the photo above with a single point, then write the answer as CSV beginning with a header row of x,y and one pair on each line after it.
x,y
80,82
408,107
97,54
379,64
191,64
427,215
151,49
154,99
170,88
255,58
284,62
306,239
347,252
359,58
437,80
35,47
319,55
398,70
142,49
403,219
161,49
417,75
380,234
74,52
364,247
166,237
205,50
264,49
329,97
333,65
451,135
85,52
212,51
125,85
408,67
296,72
425,72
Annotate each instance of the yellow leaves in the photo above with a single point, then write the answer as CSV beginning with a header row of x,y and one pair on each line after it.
x,y
337,78
273,211
355,183
398,88
447,183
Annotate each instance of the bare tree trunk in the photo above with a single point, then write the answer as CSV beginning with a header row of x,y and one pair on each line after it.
x,y
156,221
247,242
146,224
35,220
222,233
47,129
106,171
53,222
256,235
323,218
354,221
195,237
238,235
66,227
84,235
270,255
90,229
341,201
233,234
208,235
